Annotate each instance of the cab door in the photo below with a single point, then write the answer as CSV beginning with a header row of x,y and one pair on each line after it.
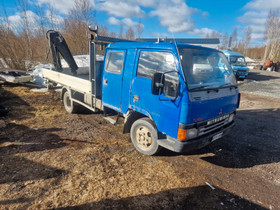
x,y
164,109
112,79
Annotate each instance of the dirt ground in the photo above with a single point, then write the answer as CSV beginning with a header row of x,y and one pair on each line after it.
x,y
51,159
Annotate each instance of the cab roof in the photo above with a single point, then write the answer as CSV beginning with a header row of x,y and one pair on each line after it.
x,y
232,53
155,45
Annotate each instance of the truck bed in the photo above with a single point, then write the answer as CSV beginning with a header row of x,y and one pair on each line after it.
x,y
78,82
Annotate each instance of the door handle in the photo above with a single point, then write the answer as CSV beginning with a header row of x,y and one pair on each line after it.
x,y
105,82
135,98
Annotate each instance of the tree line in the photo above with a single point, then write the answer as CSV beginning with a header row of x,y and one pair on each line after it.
x,y
269,51
23,43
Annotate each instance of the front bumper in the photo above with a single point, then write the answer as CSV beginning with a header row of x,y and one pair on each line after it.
x,y
186,146
240,73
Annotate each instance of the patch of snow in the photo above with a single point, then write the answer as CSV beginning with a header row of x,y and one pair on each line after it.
x,y
41,90
36,72
249,60
81,60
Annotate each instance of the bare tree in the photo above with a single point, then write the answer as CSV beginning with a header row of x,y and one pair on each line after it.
x,y
83,11
130,34
51,17
214,34
26,27
139,28
12,50
224,41
234,40
247,39
272,36
40,20
76,26
103,30
121,30
113,34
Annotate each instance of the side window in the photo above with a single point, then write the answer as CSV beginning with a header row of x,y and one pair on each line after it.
x,y
151,62
114,62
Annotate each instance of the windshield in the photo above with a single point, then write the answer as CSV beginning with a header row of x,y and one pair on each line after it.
x,y
205,68
237,61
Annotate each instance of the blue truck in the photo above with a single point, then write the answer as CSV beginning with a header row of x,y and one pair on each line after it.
x,y
238,64
171,95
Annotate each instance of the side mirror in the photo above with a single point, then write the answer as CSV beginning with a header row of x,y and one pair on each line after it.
x,y
158,80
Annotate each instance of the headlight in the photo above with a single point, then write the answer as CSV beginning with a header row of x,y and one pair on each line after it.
x,y
186,134
191,133
231,118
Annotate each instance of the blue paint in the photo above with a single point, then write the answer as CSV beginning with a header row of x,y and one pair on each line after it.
x,y
126,91
240,71
112,83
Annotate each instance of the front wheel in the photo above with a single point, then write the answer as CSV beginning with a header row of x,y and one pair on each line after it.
x,y
144,136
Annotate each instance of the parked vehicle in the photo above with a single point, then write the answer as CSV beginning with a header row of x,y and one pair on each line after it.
x,y
271,66
238,64
171,95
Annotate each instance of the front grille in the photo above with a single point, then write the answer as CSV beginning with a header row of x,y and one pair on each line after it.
x,y
214,125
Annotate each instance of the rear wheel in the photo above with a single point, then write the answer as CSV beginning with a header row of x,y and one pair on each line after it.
x,y
70,106
144,136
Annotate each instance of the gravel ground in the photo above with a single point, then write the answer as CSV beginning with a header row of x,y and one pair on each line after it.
x,y
263,83
53,160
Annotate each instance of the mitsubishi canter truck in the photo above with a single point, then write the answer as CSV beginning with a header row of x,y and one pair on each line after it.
x,y
172,95
238,64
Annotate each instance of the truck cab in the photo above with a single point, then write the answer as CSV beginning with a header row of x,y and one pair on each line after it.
x,y
172,95
238,64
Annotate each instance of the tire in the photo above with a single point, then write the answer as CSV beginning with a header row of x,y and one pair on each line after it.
x,y
70,106
144,136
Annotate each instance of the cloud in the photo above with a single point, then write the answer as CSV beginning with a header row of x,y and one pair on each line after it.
x,y
253,18
125,21
121,9
56,19
203,32
114,21
205,14
61,6
176,17
263,5
129,23
256,12
17,19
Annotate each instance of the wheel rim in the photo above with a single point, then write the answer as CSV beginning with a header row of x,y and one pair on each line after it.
x,y
68,101
144,137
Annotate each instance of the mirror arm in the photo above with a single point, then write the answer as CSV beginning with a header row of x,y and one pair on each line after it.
x,y
159,85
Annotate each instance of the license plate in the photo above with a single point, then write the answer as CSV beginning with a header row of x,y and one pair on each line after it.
x,y
217,136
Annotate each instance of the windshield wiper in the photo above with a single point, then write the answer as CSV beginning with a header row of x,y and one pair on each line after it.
x,y
202,87
228,86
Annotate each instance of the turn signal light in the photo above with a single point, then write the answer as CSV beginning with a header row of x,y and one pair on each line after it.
x,y
182,134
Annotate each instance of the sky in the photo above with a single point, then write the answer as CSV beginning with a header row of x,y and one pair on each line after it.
x,y
168,18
